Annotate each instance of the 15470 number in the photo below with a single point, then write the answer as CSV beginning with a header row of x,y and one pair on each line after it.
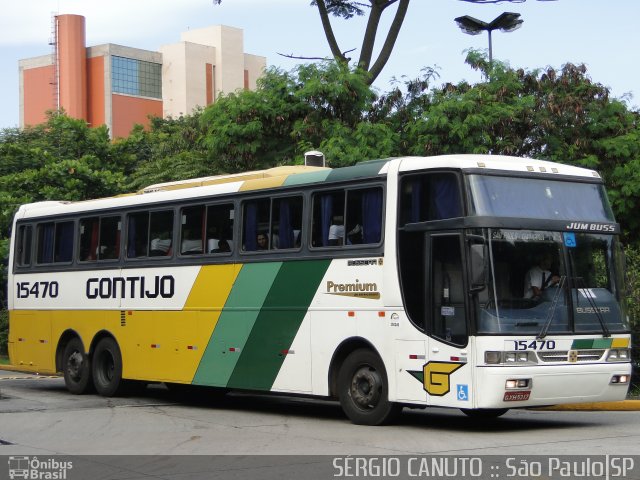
x,y
534,344
37,289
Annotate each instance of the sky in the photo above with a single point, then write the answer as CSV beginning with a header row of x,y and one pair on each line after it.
x,y
602,34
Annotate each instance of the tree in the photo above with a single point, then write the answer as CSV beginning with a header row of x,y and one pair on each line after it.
x,y
561,115
348,9
62,159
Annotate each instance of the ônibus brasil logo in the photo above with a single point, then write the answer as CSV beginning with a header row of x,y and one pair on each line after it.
x,y
33,468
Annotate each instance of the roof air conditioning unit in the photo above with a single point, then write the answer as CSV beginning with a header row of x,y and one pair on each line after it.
x,y
314,159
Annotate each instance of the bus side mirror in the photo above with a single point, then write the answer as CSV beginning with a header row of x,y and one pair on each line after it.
x,y
479,272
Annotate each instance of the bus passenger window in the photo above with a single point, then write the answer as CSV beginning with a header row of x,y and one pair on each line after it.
x,y
255,223
55,242
160,233
138,235
431,196
327,229
363,214
99,239
23,246
220,228
192,230
150,234
286,222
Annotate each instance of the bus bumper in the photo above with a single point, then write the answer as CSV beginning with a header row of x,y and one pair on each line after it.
x,y
551,385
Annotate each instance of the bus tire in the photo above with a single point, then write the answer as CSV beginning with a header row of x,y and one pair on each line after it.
x,y
76,368
484,413
363,389
107,368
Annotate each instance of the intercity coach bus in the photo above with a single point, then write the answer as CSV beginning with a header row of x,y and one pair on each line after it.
x,y
396,282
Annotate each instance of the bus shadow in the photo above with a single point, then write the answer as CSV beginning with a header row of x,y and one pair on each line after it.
x,y
431,418
294,406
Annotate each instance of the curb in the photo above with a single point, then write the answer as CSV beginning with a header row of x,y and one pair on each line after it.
x,y
17,369
622,406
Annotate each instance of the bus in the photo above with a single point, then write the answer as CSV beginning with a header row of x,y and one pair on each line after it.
x,y
392,283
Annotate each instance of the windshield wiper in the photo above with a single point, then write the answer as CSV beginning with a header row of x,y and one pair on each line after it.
x,y
552,309
581,288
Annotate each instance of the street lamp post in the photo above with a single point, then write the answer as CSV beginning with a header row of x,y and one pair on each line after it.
x,y
505,22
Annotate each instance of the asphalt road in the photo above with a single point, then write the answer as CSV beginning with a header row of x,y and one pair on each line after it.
x,y
38,416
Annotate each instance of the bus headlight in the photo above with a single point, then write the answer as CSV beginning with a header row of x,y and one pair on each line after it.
x,y
508,358
618,355
517,383
620,380
492,358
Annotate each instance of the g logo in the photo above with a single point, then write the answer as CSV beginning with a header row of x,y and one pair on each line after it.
x,y
436,377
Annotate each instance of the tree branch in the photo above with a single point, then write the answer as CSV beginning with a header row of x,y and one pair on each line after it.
x,y
328,32
392,36
291,55
369,39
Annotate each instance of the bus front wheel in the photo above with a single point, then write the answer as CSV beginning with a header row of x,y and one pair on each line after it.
x,y
107,368
76,368
363,389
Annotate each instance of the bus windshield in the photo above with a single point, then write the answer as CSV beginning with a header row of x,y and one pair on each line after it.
x,y
539,198
552,282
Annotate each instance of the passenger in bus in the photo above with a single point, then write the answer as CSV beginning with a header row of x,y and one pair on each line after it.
x,y
336,231
191,243
160,246
262,243
223,247
539,277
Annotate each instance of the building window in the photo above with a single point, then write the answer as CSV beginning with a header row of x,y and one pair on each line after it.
x,y
136,77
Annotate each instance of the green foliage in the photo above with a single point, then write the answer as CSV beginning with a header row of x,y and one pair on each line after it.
x,y
62,159
172,149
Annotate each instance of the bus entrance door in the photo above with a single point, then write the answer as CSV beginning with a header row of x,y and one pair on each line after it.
x,y
447,374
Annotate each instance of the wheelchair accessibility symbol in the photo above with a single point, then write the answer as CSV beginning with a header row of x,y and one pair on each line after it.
x,y
463,392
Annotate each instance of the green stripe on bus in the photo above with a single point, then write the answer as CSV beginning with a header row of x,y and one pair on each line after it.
x,y
361,170
310,177
278,323
602,343
591,343
235,323
582,344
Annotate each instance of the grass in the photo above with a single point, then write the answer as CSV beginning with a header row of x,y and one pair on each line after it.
x,y
4,360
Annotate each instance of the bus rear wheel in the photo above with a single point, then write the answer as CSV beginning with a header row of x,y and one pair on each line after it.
x,y
363,389
107,368
76,368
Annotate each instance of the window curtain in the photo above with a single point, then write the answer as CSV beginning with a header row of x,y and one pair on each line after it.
x,y
446,198
64,242
93,248
131,238
372,216
46,250
250,226
326,216
285,232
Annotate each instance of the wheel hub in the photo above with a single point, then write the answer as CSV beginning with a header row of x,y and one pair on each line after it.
x,y
74,364
366,388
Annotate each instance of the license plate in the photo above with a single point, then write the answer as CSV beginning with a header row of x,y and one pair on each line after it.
x,y
516,396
